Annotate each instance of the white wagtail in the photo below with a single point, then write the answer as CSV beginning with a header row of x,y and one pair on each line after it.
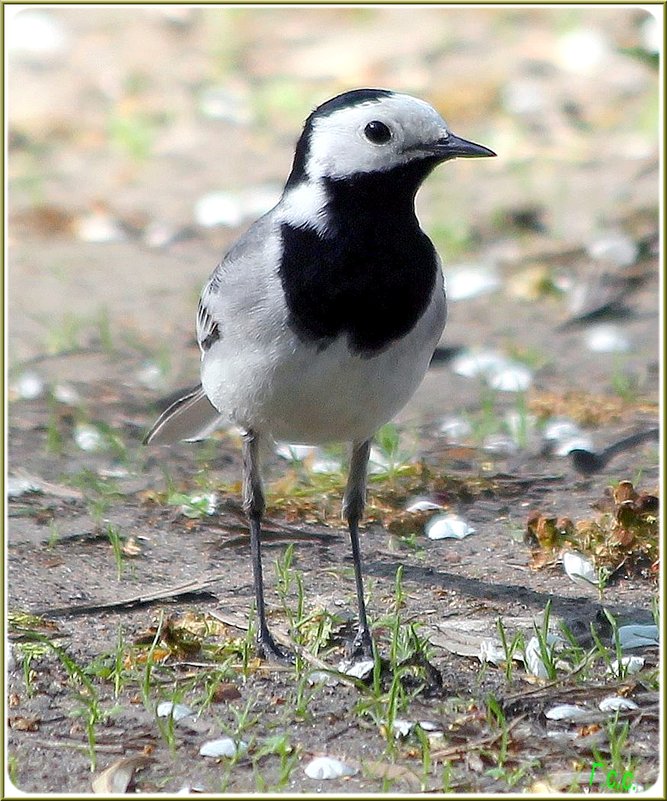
x,y
319,324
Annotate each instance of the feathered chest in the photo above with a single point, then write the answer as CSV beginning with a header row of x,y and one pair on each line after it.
x,y
370,276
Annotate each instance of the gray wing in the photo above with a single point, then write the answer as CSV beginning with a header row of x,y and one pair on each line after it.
x,y
209,328
243,283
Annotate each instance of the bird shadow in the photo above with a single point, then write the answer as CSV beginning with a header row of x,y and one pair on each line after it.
x,y
578,607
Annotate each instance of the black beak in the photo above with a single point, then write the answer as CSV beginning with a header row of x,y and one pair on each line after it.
x,y
454,147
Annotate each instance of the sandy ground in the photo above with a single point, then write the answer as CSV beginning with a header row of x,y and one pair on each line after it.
x,y
121,123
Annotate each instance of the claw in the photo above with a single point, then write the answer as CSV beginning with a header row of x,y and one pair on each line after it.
x,y
361,646
267,649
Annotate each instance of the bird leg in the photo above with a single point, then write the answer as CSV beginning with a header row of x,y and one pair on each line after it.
x,y
253,505
354,501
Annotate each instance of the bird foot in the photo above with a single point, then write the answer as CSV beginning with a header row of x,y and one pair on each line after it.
x,y
360,647
269,650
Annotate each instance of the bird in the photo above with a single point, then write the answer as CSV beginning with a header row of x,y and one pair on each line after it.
x,y
319,323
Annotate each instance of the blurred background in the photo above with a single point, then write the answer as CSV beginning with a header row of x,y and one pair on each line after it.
x,y
143,140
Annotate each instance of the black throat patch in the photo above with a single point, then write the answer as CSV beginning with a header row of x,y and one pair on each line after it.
x,y
373,275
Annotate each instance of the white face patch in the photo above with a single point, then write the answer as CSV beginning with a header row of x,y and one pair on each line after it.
x,y
339,148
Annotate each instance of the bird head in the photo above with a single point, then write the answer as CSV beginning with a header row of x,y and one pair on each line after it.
x,y
367,131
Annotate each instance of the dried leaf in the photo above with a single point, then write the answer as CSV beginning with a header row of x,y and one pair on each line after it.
x,y
624,492
117,777
21,723
396,773
131,548
225,691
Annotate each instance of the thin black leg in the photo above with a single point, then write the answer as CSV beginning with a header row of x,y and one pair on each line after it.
x,y
353,509
254,505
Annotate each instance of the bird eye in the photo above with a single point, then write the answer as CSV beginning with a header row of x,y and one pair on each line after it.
x,y
377,132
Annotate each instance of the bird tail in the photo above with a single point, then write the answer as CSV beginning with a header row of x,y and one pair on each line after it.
x,y
191,417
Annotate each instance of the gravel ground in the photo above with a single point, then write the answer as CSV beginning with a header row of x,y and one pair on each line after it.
x,y
142,141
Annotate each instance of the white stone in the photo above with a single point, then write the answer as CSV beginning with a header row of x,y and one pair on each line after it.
x,y
29,385
89,438
638,636
224,747
470,281
34,33
176,711
567,712
422,505
616,248
328,768
627,666
614,703
448,526
580,569
606,339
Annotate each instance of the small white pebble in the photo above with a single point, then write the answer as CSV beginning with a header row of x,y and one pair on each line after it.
x,y
430,726
99,227
328,768
513,377
176,711
524,97
616,248
293,452
322,677
114,471
628,665
35,34
469,281
560,429
360,669
456,429
218,208
474,363
65,393
500,444
566,712
582,51
224,747
29,385
401,728
422,505
150,375
325,466
614,703
443,527
533,655
89,438
606,339
580,569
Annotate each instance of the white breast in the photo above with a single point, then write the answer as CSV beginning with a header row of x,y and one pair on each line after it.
x,y
293,391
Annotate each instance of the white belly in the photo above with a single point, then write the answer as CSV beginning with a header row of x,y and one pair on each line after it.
x,y
292,391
